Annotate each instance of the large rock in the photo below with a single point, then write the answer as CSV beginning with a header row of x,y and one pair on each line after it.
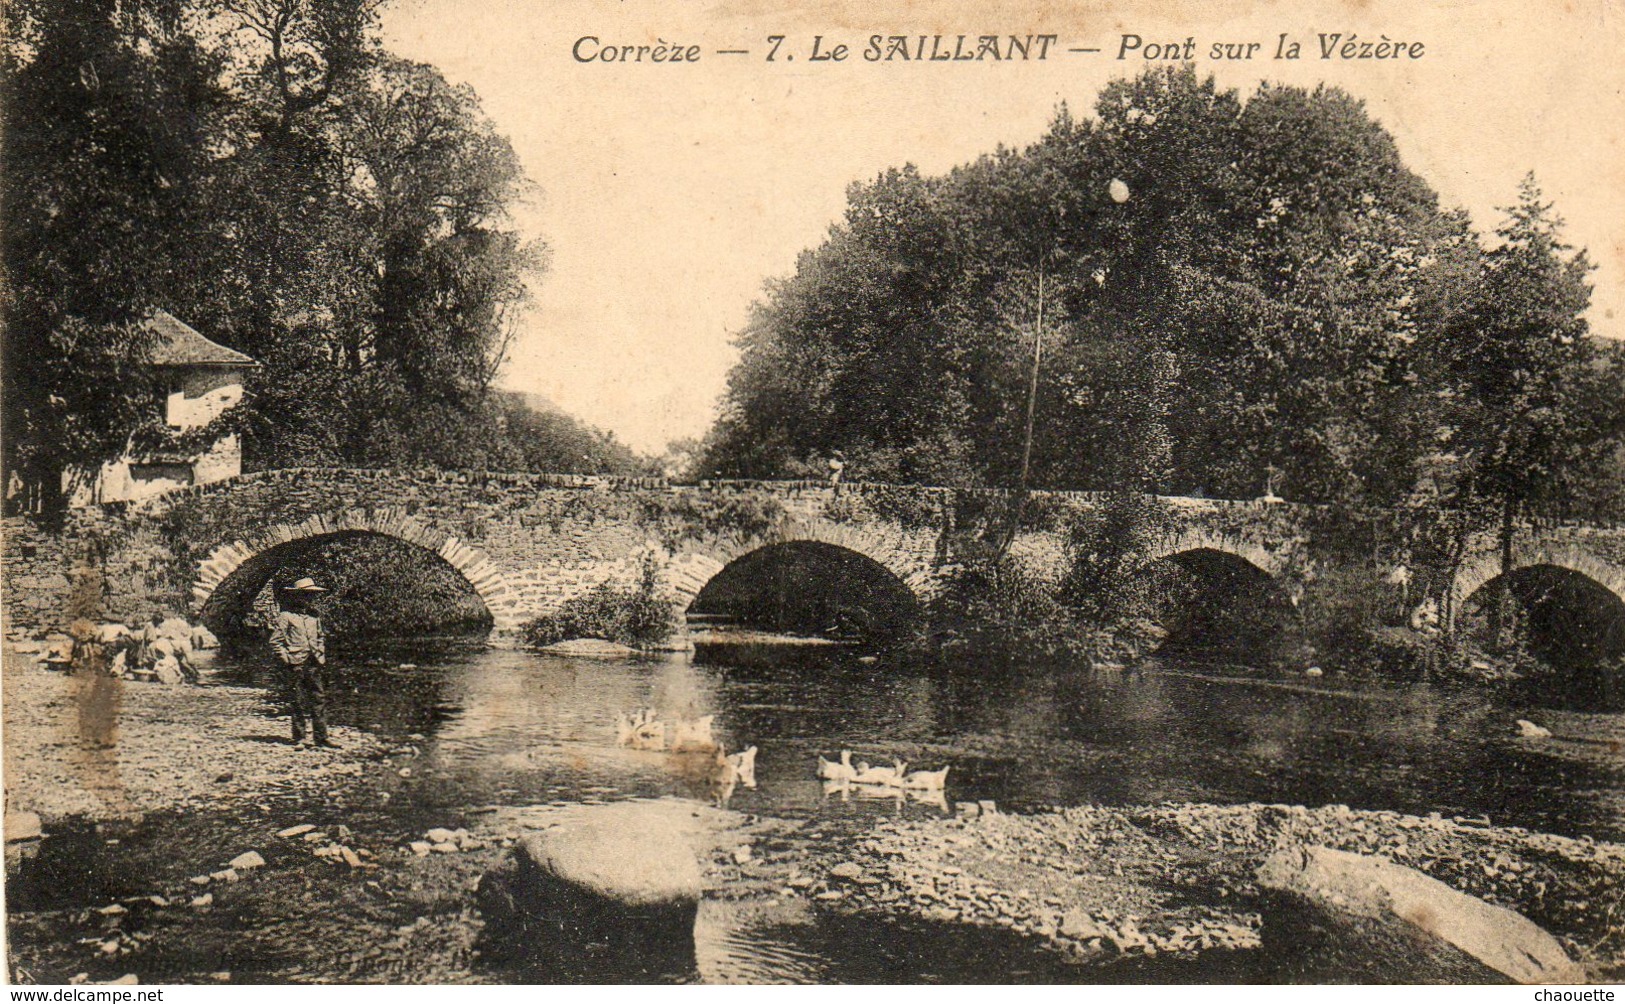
x,y
1415,927
22,825
177,629
623,878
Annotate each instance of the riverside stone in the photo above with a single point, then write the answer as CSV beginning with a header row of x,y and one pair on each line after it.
x,y
22,826
248,860
623,873
596,647
1377,890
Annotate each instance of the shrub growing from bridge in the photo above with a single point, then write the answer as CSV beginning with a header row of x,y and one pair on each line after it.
x,y
637,616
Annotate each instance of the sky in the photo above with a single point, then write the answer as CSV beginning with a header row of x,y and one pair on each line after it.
x,y
668,194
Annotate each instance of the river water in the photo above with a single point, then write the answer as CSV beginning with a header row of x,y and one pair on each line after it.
x,y
514,727
510,728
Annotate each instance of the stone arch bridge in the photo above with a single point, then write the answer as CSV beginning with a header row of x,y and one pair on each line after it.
x,y
526,543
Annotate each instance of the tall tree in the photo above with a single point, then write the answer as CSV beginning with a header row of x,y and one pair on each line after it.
x,y
266,171
1230,286
110,110
1531,414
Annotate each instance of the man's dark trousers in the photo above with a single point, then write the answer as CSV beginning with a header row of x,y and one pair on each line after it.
x,y
307,700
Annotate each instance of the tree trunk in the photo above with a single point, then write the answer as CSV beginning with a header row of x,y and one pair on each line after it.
x,y
1501,601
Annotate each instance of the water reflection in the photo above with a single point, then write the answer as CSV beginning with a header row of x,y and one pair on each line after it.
x,y
508,725
513,731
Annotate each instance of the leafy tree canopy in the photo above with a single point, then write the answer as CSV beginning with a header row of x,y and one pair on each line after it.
x,y
266,171
1236,293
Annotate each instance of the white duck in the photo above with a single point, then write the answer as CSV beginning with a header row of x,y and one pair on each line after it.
x,y
743,765
693,734
927,780
891,777
640,731
843,771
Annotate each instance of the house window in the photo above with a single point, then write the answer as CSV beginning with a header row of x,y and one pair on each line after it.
x,y
178,473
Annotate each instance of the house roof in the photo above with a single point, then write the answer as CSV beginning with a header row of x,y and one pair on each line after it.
x,y
181,345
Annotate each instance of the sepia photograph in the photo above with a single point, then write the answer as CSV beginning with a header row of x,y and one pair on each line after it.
x,y
734,492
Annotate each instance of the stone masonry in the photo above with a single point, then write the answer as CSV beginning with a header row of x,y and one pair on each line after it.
x,y
528,542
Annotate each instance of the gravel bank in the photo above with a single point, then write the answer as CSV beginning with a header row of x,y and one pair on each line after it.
x,y
103,748
1101,885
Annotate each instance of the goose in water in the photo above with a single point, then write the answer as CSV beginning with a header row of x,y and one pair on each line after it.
x,y
743,765
842,771
693,734
891,777
927,780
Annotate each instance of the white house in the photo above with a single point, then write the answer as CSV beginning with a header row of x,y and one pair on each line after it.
x,y
201,380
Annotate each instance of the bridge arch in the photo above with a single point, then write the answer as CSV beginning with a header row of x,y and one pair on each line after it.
x,y
1220,597
483,575
883,592
698,563
1475,575
1570,613
1194,541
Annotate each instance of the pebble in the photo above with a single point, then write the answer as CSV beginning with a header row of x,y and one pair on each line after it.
x,y
225,875
420,847
207,899
296,831
248,860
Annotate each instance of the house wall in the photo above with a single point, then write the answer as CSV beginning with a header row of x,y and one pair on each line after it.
x,y
223,460
127,481
199,394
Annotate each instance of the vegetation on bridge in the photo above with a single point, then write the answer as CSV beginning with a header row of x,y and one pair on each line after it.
x,y
639,616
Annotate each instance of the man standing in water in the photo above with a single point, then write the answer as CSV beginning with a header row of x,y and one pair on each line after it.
x,y
300,648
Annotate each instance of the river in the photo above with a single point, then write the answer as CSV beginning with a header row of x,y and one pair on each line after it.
x,y
503,728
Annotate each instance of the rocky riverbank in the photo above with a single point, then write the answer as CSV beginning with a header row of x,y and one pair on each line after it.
x,y
1106,886
94,746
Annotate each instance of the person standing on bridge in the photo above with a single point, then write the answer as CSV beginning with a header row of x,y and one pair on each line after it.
x,y
301,649
837,464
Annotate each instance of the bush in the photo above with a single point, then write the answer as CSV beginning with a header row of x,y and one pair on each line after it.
x,y
637,616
